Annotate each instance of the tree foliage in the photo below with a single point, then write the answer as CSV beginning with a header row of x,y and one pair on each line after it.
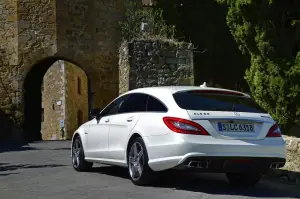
x,y
136,14
269,31
203,23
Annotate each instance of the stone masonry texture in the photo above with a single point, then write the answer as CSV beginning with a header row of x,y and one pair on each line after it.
x,y
146,63
86,33
60,84
76,102
53,85
293,153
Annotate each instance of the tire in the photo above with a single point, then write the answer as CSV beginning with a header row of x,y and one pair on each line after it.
x,y
78,158
243,179
144,175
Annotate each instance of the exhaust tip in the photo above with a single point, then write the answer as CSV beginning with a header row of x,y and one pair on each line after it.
x,y
203,164
193,164
277,165
198,164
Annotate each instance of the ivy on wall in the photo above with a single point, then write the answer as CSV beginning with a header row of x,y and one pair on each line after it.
x,y
136,15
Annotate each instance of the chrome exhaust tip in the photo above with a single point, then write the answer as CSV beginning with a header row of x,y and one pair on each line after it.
x,y
193,164
203,164
277,165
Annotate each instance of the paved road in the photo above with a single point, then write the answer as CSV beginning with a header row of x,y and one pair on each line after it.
x,y
43,170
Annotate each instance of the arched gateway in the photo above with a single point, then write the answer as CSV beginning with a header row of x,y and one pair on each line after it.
x,y
34,35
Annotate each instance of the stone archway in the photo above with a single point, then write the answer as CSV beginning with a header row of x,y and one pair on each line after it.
x,y
86,33
51,99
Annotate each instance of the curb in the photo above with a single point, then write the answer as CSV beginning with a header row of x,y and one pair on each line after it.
x,y
285,176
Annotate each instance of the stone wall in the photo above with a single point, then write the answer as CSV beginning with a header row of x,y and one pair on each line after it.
x,y
293,153
62,101
86,33
76,102
52,92
8,66
146,63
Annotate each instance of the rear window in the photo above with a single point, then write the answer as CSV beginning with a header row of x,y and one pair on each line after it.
x,y
210,101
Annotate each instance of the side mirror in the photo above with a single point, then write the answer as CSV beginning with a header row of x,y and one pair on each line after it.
x,y
95,112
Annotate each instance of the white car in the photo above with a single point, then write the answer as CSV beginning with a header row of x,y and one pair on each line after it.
x,y
181,127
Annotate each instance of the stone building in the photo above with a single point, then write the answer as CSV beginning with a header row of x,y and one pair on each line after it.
x,y
64,101
36,34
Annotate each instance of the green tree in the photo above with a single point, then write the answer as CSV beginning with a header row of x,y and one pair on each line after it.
x,y
135,14
269,31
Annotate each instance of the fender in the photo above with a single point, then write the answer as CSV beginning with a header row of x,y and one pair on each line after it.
x,y
80,132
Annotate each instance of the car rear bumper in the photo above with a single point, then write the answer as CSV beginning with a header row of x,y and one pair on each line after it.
x,y
231,164
177,152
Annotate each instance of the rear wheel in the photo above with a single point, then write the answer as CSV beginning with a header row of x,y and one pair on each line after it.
x,y
243,179
78,161
139,171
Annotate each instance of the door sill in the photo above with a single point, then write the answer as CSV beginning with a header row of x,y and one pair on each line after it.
x,y
107,161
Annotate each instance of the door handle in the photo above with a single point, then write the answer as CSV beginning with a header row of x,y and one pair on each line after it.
x,y
129,119
106,120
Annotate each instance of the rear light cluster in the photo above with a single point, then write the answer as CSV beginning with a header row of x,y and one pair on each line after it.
x,y
274,131
180,125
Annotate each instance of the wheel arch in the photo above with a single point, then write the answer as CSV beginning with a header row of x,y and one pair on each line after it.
x,y
75,135
132,137
78,133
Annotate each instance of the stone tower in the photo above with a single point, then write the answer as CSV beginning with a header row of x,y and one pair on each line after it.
x,y
35,34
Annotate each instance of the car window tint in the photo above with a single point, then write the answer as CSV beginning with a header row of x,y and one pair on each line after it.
x,y
216,102
155,105
135,103
114,106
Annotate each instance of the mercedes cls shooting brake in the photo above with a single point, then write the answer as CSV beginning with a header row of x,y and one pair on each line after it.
x,y
204,129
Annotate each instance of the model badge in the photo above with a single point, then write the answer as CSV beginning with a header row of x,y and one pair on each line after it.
x,y
237,114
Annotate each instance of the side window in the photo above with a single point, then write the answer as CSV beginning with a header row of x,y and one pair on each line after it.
x,y
114,106
136,102
155,105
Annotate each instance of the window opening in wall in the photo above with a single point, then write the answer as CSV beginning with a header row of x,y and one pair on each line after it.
x,y
53,106
79,118
79,85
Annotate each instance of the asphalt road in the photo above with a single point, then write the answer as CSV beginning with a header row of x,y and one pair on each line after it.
x,y
43,170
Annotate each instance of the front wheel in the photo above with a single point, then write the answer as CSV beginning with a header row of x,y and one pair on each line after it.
x,y
78,158
243,179
139,171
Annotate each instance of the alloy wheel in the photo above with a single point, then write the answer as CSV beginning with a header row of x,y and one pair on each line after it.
x,y
76,153
136,161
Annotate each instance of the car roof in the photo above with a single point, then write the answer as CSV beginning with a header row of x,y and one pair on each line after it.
x,y
175,89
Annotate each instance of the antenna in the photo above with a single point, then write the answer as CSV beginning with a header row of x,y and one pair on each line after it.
x,y
203,85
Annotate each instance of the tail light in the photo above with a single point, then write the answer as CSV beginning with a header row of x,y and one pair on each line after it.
x,y
274,131
180,125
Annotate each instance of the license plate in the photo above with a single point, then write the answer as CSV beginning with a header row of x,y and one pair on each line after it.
x,y
235,127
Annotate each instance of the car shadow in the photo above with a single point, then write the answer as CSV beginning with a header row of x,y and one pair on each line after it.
x,y
10,146
7,174
206,183
9,167
290,177
111,171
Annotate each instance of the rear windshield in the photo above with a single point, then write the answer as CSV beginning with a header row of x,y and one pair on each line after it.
x,y
193,100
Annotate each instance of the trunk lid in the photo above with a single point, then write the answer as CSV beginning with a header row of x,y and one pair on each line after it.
x,y
233,125
225,114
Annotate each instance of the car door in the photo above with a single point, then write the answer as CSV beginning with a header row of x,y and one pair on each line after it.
x,y
122,124
97,135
